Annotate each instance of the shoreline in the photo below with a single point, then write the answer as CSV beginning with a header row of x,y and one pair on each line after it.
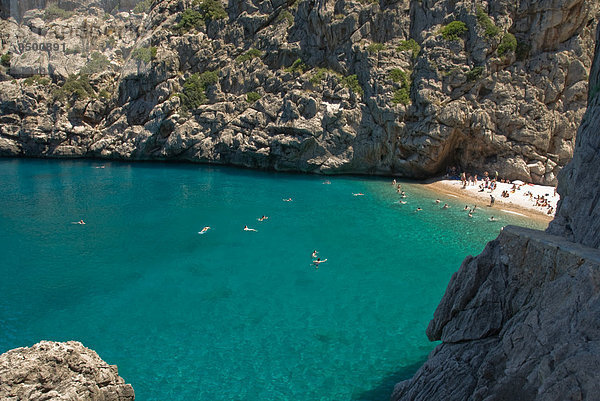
x,y
517,205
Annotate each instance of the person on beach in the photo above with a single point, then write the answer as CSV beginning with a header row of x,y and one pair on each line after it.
x,y
492,200
249,229
318,262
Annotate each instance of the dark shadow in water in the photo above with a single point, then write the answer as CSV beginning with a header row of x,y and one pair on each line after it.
x,y
383,391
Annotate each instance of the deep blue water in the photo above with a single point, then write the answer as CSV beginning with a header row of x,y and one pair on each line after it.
x,y
228,315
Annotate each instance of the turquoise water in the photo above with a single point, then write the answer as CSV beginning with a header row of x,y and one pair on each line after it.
x,y
228,315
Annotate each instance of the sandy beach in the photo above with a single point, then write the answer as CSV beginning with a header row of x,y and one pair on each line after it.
x,y
518,202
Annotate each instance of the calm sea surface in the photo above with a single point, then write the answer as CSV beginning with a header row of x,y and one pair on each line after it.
x,y
229,315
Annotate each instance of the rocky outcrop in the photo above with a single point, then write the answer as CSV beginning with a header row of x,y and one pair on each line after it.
x,y
60,371
578,213
520,321
352,86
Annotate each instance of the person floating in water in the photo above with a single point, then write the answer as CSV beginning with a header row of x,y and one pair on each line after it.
x,y
445,206
205,229
466,207
470,214
358,194
81,222
418,209
263,218
315,253
402,194
437,201
327,182
249,229
492,219
287,200
318,262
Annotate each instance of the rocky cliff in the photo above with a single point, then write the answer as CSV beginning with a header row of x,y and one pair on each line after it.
x,y
520,321
60,371
381,87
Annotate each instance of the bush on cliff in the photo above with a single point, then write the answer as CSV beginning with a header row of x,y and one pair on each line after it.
x,y
249,55
53,11
351,82
410,45
190,19
508,43
75,87
142,7
297,67
454,30
5,60
145,54
375,47
252,97
194,89
212,9
402,94
98,62
486,23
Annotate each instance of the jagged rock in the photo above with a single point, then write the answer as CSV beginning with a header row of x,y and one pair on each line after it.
x,y
578,211
468,106
519,321
60,371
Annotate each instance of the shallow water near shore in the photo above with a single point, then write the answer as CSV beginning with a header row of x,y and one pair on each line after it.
x,y
229,315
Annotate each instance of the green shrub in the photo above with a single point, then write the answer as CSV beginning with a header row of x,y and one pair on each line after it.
x,y
145,54
351,82
37,80
401,96
104,94
252,97
285,15
53,11
297,67
508,43
474,73
75,50
98,63
454,30
75,86
194,88
5,59
486,23
411,45
249,55
375,47
398,76
320,75
142,7
212,10
190,19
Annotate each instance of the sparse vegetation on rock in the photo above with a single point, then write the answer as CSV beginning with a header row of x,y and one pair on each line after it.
x,y
454,30
194,89
486,23
410,45
508,44
145,54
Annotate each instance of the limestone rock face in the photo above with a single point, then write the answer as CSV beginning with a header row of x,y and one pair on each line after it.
x,y
519,322
60,371
578,212
353,86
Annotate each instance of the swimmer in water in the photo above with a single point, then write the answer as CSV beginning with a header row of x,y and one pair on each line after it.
x,y
327,182
81,222
437,201
402,194
358,194
466,207
263,218
418,209
470,215
205,229
445,206
318,262
492,219
314,254
249,229
287,200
